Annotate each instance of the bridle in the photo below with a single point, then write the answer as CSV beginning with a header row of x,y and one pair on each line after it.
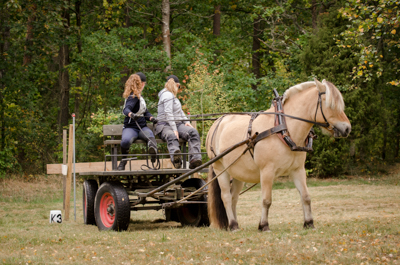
x,y
327,125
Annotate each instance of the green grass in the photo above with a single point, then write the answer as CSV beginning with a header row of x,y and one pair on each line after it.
x,y
357,221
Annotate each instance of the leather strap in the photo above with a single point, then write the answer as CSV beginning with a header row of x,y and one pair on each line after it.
x,y
253,117
212,137
269,132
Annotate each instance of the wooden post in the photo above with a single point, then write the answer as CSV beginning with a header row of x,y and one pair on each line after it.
x,y
69,174
64,178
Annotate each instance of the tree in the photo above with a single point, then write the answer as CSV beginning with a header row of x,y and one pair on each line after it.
x,y
373,32
63,77
166,31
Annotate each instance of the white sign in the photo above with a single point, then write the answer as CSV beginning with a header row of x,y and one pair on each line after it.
x,y
55,216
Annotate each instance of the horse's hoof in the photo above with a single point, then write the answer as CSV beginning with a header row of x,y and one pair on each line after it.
x,y
264,228
309,224
233,226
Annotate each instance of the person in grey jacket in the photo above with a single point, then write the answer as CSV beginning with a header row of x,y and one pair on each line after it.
x,y
170,128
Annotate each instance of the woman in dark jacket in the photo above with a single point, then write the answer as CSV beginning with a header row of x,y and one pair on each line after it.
x,y
136,115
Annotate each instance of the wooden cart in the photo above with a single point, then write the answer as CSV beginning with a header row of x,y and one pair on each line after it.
x,y
110,196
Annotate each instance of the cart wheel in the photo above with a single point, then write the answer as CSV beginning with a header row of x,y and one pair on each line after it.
x,y
89,193
112,208
194,214
171,215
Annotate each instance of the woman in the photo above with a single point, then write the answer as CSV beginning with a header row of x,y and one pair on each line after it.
x,y
170,129
136,115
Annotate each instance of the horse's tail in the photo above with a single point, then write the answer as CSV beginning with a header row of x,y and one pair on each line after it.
x,y
216,208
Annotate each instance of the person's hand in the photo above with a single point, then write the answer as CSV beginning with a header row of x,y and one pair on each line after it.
x,y
176,134
133,116
153,120
189,125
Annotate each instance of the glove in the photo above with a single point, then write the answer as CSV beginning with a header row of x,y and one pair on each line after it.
x,y
134,116
154,121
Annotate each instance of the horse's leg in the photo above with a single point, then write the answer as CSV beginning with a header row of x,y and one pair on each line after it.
x,y
299,178
237,186
267,179
225,184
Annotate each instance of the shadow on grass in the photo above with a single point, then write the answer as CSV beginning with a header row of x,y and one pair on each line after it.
x,y
148,225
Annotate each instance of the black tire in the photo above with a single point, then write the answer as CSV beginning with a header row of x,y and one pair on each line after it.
x,y
112,208
194,214
171,215
89,193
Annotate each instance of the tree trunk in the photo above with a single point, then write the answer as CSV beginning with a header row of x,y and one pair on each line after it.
x,y
384,141
396,155
256,56
217,20
63,77
166,31
314,13
127,16
5,29
29,36
79,45
145,26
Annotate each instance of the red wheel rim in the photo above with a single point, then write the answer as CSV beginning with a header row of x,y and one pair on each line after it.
x,y
107,209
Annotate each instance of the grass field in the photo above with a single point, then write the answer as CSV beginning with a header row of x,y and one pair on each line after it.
x,y
357,222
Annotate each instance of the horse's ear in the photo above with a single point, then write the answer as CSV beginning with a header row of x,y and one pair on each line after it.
x,y
321,87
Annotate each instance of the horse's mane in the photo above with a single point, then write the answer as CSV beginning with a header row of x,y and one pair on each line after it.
x,y
334,99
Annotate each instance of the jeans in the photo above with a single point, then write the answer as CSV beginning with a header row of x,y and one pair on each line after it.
x,y
129,135
188,134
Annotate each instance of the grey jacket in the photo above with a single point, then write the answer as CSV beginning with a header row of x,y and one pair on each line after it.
x,y
169,109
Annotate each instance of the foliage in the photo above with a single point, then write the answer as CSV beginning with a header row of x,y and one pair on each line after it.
x,y
354,44
205,93
373,31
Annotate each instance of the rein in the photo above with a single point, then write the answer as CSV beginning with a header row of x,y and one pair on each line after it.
x,y
156,165
277,99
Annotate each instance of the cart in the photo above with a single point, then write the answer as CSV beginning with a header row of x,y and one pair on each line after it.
x,y
109,197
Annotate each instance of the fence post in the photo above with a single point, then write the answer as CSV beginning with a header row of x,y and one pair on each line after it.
x,y
64,178
69,174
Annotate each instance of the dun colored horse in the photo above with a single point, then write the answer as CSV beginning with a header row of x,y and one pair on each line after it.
x,y
313,101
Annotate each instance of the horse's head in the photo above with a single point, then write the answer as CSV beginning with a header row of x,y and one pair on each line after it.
x,y
331,110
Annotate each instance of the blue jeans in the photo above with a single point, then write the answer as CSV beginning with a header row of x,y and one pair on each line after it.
x,y
129,135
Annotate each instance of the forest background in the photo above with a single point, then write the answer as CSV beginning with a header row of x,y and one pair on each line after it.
x,y
60,57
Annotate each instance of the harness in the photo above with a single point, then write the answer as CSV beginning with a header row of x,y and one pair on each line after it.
x,y
280,127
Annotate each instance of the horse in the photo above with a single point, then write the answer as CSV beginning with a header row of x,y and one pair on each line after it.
x,y
313,101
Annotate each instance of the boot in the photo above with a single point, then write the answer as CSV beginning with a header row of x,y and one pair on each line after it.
x,y
122,164
152,144
195,163
177,159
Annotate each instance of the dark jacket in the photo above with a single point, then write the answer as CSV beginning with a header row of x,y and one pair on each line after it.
x,y
132,105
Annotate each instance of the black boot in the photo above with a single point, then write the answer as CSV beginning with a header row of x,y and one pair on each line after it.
x,y
122,164
152,144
